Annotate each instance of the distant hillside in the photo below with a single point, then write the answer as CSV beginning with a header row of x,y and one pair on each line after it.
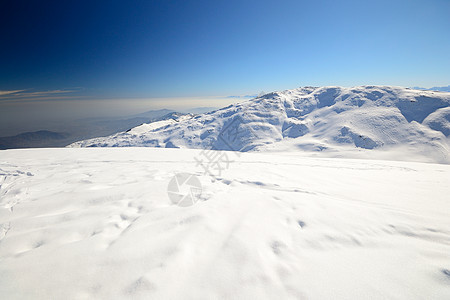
x,y
39,138
79,130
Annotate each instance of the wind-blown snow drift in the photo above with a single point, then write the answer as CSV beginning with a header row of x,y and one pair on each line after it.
x,y
328,119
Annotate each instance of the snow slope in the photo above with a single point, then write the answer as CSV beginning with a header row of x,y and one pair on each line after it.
x,y
97,223
335,120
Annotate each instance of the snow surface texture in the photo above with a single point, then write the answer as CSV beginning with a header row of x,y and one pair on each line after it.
x,y
97,223
368,121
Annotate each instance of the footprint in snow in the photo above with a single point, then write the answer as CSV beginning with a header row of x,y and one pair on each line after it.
x,y
277,247
4,228
140,285
301,223
446,272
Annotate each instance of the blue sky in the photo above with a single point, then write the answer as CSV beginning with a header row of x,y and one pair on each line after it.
x,y
201,48
94,50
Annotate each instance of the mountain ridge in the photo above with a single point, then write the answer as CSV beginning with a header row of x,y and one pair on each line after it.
x,y
308,118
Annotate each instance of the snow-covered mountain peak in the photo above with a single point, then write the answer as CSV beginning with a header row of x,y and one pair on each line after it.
x,y
308,118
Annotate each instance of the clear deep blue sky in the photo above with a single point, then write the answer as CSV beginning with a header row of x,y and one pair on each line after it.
x,y
166,48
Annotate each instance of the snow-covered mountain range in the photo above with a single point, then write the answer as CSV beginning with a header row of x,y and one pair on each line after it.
x,y
325,119
435,88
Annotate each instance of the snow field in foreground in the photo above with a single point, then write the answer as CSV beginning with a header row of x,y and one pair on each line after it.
x,y
97,223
